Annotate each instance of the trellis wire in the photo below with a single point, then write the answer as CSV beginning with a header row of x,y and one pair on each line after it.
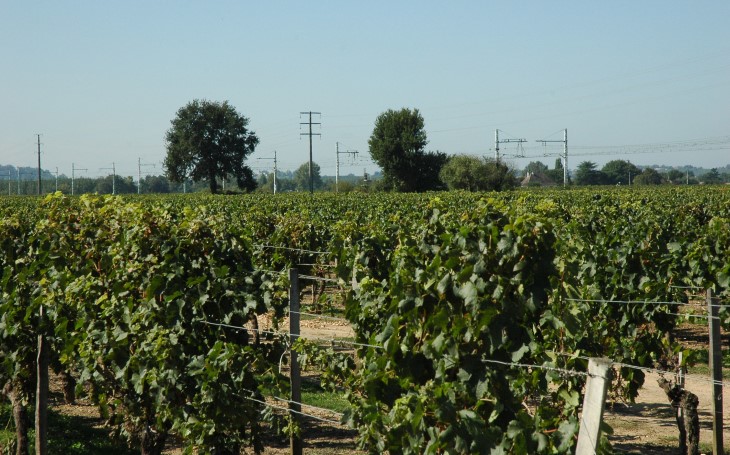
x,y
274,247
320,316
286,334
292,410
624,301
541,367
317,278
697,377
331,411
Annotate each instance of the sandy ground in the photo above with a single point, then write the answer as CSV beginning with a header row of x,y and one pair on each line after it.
x,y
649,425
645,427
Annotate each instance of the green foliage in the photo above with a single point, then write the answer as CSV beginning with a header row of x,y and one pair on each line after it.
x,y
444,284
209,140
397,145
587,174
620,172
648,177
713,177
471,173
463,289
301,177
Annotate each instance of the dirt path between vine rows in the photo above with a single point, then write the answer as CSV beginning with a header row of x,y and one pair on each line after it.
x,y
647,426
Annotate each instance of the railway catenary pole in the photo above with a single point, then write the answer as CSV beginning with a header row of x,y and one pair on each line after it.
x,y
73,176
275,168
503,141
337,173
565,153
139,174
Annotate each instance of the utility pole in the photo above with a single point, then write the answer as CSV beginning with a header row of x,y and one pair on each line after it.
x,y
139,173
73,176
503,141
310,134
114,176
565,154
39,164
337,174
56,179
275,170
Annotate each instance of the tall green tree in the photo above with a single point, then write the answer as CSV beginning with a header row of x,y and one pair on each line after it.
x,y
397,145
587,174
649,176
301,177
619,172
210,140
713,177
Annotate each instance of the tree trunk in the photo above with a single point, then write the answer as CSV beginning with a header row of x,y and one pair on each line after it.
x,y
212,182
221,449
69,387
20,416
688,421
153,442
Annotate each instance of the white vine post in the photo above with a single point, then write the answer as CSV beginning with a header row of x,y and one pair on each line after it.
x,y
589,434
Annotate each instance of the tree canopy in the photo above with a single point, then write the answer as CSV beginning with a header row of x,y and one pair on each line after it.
x,y
535,167
301,177
712,177
209,140
648,177
397,145
619,172
472,173
587,174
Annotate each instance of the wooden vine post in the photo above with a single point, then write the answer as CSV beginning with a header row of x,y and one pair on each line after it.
x,y
716,369
295,374
41,399
599,375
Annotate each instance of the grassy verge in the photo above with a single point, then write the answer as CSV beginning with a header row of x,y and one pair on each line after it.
x,y
314,395
701,364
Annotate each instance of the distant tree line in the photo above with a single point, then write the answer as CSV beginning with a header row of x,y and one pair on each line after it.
x,y
622,172
208,144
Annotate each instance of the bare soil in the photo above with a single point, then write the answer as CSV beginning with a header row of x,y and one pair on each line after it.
x,y
647,426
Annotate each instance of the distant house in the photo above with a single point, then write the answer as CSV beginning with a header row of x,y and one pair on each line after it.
x,y
536,179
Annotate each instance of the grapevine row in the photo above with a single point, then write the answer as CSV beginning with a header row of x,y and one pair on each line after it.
x,y
446,283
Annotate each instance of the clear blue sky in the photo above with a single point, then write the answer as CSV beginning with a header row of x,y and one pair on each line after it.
x,y
101,80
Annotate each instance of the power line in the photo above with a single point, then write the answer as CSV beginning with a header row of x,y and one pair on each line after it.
x,y
310,134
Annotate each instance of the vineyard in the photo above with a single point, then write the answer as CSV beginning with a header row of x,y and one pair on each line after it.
x,y
472,315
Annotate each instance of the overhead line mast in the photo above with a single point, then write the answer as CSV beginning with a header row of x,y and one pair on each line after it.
x,y
275,170
565,153
503,141
73,175
337,173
